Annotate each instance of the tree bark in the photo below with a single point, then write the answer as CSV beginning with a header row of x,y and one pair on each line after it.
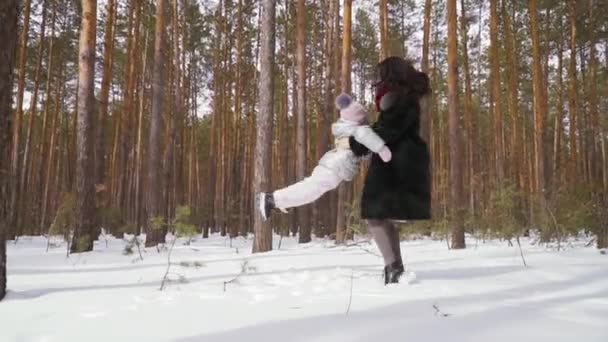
x,y
573,96
512,92
42,145
16,145
85,229
301,30
458,241
324,116
595,126
539,107
559,118
154,233
139,162
468,111
384,43
342,212
496,93
104,94
424,104
26,169
262,164
9,14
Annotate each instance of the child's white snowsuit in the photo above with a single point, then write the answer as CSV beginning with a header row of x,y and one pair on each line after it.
x,y
336,166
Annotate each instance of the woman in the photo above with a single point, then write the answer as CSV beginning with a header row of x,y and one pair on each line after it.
x,y
400,189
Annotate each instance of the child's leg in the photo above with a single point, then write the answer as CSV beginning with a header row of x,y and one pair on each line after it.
x,y
307,190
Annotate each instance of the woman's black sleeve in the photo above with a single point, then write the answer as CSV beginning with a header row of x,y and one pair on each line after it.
x,y
395,121
358,149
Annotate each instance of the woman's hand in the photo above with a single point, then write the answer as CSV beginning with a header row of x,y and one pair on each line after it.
x,y
385,154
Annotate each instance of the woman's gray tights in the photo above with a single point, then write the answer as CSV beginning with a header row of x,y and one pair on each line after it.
x,y
386,236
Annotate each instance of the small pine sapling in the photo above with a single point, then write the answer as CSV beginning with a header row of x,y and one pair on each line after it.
x,y
245,268
183,227
63,223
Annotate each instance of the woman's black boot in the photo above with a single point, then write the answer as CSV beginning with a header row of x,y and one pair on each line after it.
x,y
393,272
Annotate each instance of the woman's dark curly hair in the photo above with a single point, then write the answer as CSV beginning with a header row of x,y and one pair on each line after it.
x,y
400,73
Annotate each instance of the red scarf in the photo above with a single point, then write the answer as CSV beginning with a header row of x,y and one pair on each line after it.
x,y
381,90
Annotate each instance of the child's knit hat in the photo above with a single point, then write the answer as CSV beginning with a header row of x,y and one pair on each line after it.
x,y
350,109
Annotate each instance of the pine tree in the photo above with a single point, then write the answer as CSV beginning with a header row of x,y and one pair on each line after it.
x,y
384,43
539,106
17,130
262,162
469,170
344,189
496,92
85,225
156,228
454,130
104,94
8,28
573,102
425,105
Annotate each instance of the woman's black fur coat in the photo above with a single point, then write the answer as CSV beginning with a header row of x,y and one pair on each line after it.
x,y
401,188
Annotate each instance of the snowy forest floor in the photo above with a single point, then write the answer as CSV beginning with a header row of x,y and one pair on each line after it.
x,y
302,293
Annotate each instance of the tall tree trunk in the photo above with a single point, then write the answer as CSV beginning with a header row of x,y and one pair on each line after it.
x,y
139,167
454,129
42,144
539,107
496,92
171,175
301,29
262,164
342,212
128,116
24,184
384,43
104,94
573,173
559,112
49,185
595,126
468,110
325,116
9,14
16,146
238,207
85,229
154,233
511,71
425,105
47,180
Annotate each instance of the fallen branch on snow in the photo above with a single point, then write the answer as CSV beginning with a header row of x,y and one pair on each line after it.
x,y
354,244
521,252
244,269
438,312
350,298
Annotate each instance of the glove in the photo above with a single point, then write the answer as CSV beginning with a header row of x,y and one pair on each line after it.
x,y
385,154
342,143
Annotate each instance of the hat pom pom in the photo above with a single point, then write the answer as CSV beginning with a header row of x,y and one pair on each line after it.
x,y
343,100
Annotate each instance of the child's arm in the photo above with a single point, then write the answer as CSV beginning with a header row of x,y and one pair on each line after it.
x,y
366,136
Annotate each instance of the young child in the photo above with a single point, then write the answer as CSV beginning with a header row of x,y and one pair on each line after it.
x,y
336,166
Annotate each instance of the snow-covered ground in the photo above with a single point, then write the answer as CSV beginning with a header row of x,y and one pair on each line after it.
x,y
302,293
